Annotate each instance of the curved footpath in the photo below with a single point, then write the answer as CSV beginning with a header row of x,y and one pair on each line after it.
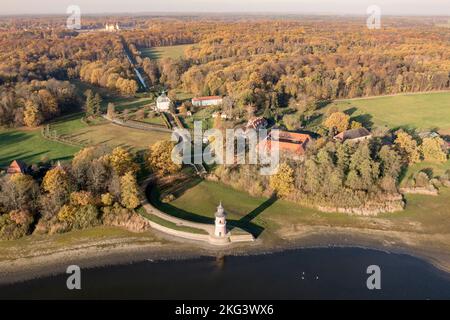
x,y
209,237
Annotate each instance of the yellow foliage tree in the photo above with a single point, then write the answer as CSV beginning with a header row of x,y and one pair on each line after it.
x,y
160,158
432,149
81,198
338,121
48,103
107,199
407,146
355,125
283,181
67,213
32,116
129,191
56,180
122,161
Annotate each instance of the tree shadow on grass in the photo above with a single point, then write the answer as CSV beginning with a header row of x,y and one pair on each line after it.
x,y
245,223
364,119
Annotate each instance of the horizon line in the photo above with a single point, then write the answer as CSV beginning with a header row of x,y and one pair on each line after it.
x,y
249,13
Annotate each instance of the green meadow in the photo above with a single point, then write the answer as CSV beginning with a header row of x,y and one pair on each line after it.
x,y
173,52
31,147
416,111
198,202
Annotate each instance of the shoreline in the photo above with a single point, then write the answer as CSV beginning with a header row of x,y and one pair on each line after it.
x,y
40,266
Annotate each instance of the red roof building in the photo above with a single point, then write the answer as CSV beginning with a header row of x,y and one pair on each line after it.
x,y
17,166
288,142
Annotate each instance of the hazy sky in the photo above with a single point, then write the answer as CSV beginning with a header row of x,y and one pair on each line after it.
x,y
399,7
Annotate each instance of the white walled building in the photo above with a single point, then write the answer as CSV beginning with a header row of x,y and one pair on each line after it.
x,y
220,229
207,101
163,103
112,27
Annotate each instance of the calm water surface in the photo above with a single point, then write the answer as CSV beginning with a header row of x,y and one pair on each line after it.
x,y
331,273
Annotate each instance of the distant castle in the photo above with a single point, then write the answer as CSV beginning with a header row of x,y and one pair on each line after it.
x,y
112,27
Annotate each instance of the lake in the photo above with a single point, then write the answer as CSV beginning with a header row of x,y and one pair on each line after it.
x,y
322,273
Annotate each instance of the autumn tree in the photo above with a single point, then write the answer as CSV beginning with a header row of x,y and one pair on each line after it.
x,y
338,121
432,149
90,102
96,104
129,191
32,116
57,181
81,198
122,161
111,111
160,158
107,199
19,191
407,147
283,181
49,104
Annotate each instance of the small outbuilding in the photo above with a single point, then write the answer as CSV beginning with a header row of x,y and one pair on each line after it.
x,y
354,135
17,166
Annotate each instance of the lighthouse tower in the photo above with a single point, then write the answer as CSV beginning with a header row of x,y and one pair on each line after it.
x,y
220,223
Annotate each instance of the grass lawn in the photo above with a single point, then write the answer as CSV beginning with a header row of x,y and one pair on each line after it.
x,y
198,202
31,147
420,111
132,104
168,224
157,120
204,115
113,136
157,53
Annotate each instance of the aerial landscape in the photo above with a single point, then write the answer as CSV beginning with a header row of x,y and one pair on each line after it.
x,y
127,143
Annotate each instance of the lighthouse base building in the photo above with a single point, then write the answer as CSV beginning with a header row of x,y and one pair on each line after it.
x,y
221,234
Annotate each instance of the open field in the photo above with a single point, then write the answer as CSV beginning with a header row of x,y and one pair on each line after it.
x,y
131,104
157,53
114,135
419,111
31,147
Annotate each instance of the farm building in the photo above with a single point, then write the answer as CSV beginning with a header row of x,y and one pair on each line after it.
x,y
17,166
256,123
163,103
207,101
289,142
353,135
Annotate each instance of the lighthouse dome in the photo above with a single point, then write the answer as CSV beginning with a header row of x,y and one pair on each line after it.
x,y
220,213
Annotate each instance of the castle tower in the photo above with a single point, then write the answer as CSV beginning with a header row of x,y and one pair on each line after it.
x,y
221,222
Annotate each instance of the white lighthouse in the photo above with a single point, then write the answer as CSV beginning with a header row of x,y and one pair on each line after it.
x,y
220,223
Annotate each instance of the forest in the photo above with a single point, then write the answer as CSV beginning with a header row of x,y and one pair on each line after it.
x,y
281,63
286,70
